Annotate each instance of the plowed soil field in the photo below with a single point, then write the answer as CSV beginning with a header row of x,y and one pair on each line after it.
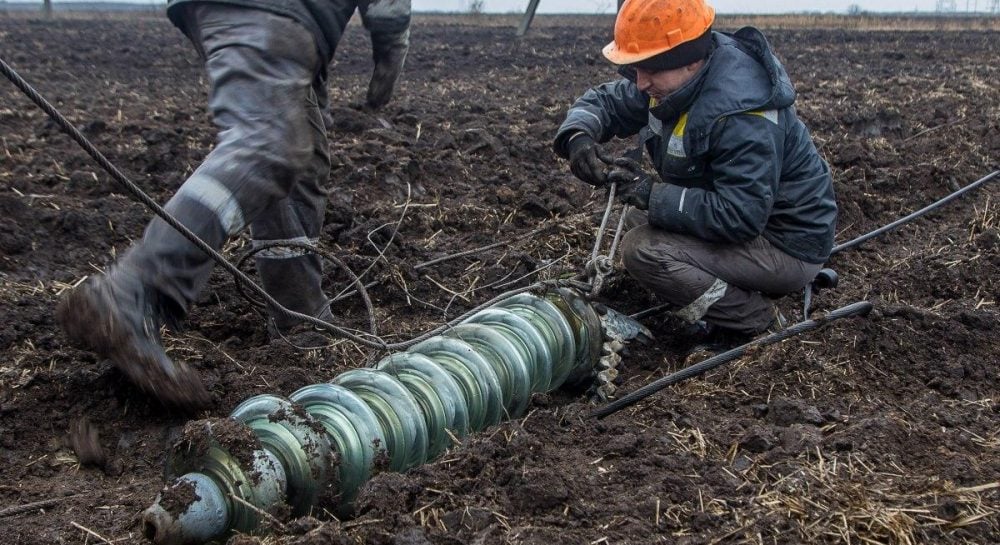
x,y
883,429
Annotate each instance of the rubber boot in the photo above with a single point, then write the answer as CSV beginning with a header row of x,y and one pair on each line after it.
x,y
389,59
119,319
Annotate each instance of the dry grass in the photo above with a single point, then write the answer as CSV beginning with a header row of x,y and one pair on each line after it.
x,y
864,21
929,22
868,21
847,500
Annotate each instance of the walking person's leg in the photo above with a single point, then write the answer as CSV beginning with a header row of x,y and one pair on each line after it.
x,y
261,67
294,276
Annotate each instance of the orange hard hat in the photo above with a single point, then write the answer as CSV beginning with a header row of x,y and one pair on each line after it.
x,y
645,28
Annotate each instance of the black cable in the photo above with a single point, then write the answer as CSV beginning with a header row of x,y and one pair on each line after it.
x,y
859,308
917,214
120,177
262,246
141,196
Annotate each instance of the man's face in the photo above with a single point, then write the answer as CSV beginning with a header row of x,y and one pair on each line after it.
x,y
661,83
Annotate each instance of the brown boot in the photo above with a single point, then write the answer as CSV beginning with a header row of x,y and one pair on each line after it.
x,y
118,318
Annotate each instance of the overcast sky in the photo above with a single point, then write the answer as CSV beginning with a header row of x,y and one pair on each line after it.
x,y
722,6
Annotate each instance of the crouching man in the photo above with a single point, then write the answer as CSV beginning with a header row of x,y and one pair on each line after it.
x,y
741,207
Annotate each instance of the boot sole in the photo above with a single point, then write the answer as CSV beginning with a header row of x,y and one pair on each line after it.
x,y
88,317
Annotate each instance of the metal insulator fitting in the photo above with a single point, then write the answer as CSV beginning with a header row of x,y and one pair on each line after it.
x,y
616,328
397,411
302,451
353,429
402,412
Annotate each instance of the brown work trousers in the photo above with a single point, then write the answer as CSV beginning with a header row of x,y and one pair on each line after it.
x,y
683,270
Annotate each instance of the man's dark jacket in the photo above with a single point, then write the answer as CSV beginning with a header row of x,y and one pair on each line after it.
x,y
736,160
386,20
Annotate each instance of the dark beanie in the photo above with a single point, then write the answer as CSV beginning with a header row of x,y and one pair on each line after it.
x,y
682,55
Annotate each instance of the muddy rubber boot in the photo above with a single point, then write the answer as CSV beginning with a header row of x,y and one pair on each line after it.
x,y
302,335
714,339
389,60
295,283
119,319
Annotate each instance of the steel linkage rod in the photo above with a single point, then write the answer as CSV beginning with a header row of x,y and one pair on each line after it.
x,y
859,308
529,16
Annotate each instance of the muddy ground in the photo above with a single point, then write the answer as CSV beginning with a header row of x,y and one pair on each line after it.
x,y
877,430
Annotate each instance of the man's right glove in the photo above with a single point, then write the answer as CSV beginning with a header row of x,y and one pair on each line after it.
x,y
634,184
587,160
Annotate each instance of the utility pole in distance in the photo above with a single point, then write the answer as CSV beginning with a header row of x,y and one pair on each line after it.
x,y
529,15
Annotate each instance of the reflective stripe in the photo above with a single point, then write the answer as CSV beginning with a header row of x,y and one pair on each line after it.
x,y
216,197
675,146
681,125
655,124
697,309
680,207
770,115
283,252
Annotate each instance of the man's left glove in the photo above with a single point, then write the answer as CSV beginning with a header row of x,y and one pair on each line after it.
x,y
634,183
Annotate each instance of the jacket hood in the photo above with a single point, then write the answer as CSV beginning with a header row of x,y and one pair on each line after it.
x,y
743,75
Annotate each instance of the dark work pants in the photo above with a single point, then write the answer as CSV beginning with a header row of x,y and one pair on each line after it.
x,y
729,285
267,170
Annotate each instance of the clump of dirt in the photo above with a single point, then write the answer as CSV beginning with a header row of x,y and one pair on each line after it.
x,y
382,460
228,434
86,443
310,531
176,498
329,497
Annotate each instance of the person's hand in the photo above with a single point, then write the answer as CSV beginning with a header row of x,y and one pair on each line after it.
x,y
587,160
634,183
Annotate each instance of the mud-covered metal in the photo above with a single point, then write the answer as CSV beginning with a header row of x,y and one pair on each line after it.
x,y
323,442
618,329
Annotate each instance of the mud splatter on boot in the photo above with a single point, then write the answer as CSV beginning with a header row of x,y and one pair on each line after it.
x,y
118,318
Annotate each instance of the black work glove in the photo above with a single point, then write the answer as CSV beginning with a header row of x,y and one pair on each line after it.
x,y
587,160
634,183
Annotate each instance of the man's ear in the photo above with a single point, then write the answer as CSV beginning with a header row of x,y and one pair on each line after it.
x,y
627,72
694,67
